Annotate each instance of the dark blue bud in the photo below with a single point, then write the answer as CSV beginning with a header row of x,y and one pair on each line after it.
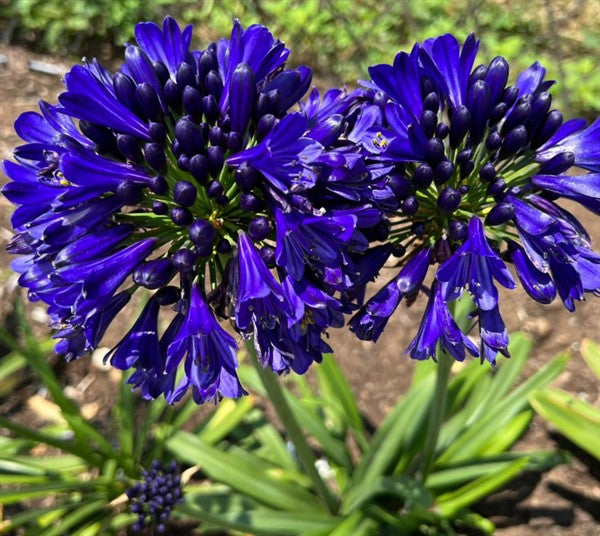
x,y
159,208
159,185
223,246
479,73
428,122
202,232
242,92
258,228
514,140
442,130
478,102
434,151
548,128
192,102
157,132
432,102
154,274
101,136
225,123
459,125
328,131
213,84
189,136
265,125
497,187
172,94
129,192
251,203
148,99
185,75
181,216
449,199
488,172
466,168
380,99
215,135
539,109
222,200
216,160
155,156
417,228
443,172
184,260
207,63
125,91
558,164
496,78
204,250
401,186
410,205
184,193
463,189
198,168
204,128
519,114
398,250
498,112
234,142
268,103
464,156
129,148
457,230
162,73
510,94
246,177
501,213
493,142
214,189
422,177
210,108
183,162
426,86
267,254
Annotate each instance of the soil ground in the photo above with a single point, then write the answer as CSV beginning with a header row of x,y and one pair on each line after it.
x,y
564,501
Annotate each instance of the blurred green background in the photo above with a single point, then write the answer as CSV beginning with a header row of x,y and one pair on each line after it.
x,y
340,38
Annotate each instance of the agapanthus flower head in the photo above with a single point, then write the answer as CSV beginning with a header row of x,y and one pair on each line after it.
x,y
191,174
476,167
153,499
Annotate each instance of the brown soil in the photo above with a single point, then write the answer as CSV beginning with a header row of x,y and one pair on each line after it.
x,y
564,501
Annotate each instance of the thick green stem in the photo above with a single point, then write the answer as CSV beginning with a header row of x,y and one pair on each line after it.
x,y
437,408
305,453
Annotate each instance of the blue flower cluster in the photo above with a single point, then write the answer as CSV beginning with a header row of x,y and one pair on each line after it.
x,y
153,499
186,173
201,176
477,166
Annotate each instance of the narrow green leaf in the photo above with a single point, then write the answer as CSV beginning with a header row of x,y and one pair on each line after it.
x,y
228,416
33,515
473,520
575,419
590,351
450,504
124,415
504,438
41,490
277,449
76,517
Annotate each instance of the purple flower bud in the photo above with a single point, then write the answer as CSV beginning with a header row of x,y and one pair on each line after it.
x,y
246,177
222,200
223,246
488,172
514,140
129,192
442,131
157,132
501,213
202,232
443,172
496,187
519,114
159,185
463,189
189,136
457,230
558,164
176,148
242,92
449,199
129,148
159,208
493,142
155,156
479,73
181,216
496,78
258,228
432,102
198,168
441,250
207,63
422,177
434,151
154,274
183,162
101,136
215,135
251,203
428,122
380,99
417,228
215,159
539,109
265,125
125,91
148,99
464,156
214,189
328,131
478,102
210,108
268,103
172,94
225,123
185,75
510,94
167,295
398,250
267,254
466,168
548,128
410,206
162,73
192,102
214,84
401,186
459,125
184,259
498,112
204,250
184,193
234,141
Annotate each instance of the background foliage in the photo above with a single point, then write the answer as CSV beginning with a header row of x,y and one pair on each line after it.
x,y
341,38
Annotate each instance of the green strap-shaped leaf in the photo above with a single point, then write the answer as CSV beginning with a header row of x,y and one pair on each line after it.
x,y
590,350
228,416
